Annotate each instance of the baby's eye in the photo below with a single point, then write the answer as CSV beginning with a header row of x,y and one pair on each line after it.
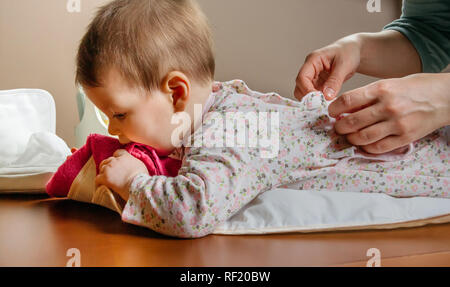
x,y
120,116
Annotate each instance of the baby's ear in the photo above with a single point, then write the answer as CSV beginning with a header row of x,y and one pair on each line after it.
x,y
177,85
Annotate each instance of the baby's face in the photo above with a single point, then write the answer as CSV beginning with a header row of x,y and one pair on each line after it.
x,y
133,116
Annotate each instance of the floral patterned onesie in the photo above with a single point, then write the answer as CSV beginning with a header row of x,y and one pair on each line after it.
x,y
214,182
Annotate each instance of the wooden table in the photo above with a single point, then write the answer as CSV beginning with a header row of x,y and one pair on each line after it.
x,y
38,231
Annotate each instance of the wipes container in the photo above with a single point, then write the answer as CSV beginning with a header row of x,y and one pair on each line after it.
x,y
30,151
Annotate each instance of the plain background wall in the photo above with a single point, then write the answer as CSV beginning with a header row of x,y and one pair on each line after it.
x,y
263,42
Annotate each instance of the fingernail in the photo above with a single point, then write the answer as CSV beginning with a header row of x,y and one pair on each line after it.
x,y
329,93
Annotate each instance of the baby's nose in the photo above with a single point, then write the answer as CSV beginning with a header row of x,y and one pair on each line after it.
x,y
112,130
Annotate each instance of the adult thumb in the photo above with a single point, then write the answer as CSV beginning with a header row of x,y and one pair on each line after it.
x,y
333,84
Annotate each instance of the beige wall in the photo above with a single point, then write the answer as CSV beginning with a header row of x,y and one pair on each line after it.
x,y
263,42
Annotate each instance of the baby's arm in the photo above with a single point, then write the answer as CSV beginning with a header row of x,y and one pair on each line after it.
x,y
211,186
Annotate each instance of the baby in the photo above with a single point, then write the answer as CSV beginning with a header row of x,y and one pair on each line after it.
x,y
149,66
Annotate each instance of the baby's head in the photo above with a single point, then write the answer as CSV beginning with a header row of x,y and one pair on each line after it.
x,y
142,61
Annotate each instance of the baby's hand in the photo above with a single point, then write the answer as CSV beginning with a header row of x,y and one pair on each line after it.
x,y
117,172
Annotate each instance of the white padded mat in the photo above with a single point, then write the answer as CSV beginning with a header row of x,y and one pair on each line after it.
x,y
288,210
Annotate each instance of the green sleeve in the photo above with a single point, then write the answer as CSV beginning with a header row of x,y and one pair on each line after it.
x,y
426,23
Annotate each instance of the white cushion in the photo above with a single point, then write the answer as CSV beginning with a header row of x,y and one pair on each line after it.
x,y
289,210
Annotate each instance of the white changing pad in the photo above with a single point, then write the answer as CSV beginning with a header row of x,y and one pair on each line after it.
x,y
30,152
289,210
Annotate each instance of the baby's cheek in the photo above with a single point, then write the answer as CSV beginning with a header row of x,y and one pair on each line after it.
x,y
161,141
138,131
155,134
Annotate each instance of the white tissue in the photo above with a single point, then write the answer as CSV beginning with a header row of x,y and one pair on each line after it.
x,y
45,152
22,113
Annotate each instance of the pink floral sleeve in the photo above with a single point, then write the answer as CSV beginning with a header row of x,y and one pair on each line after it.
x,y
209,188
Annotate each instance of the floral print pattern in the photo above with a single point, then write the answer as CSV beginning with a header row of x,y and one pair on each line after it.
x,y
215,182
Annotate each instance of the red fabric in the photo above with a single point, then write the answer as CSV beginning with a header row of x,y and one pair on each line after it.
x,y
101,147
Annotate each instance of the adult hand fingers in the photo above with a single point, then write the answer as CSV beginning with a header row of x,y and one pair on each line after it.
x,y
351,101
361,119
333,83
372,134
387,144
304,82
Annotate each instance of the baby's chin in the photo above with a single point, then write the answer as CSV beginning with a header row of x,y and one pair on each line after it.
x,y
124,141
162,150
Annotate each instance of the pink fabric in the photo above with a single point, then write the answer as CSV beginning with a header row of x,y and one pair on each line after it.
x,y
101,147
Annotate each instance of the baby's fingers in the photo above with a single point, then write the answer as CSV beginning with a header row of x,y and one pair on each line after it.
x,y
100,179
105,162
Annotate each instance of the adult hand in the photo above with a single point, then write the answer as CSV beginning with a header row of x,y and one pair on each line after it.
x,y
392,113
328,68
